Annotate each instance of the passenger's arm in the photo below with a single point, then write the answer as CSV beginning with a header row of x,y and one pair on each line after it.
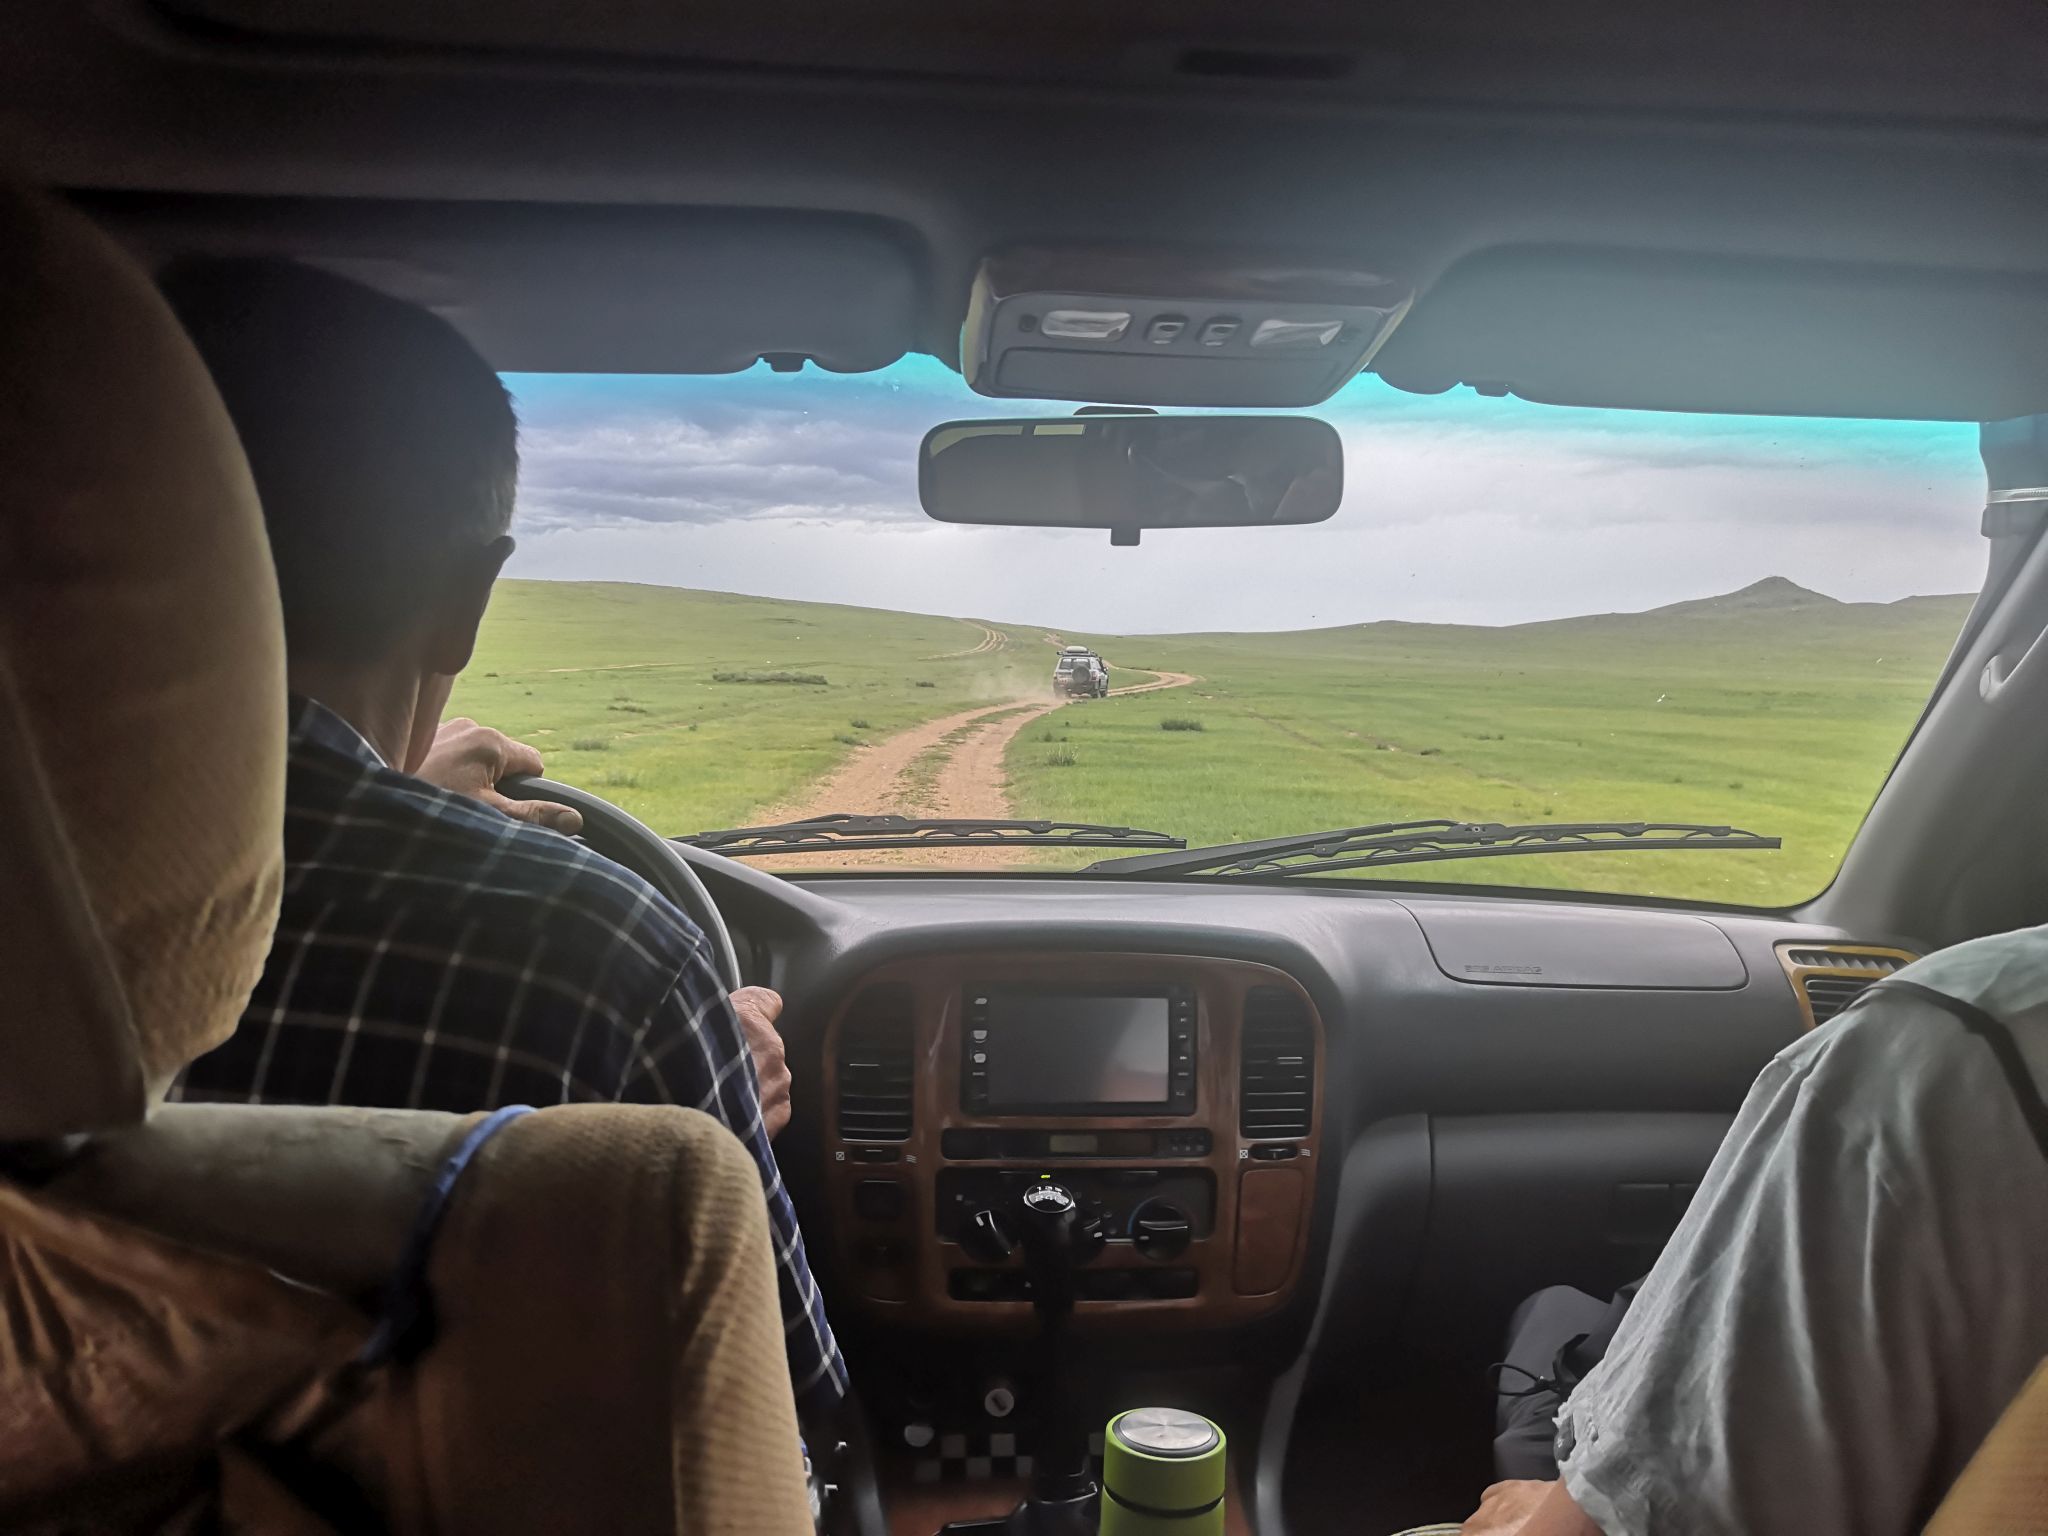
x,y
1834,1324
1529,1509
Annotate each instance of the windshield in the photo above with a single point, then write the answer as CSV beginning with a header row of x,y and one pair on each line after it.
x,y
727,609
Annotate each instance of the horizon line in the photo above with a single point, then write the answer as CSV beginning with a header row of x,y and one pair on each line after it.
x,y
1625,613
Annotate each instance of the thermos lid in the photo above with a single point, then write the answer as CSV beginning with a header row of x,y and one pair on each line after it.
x,y
1167,1432
1163,1460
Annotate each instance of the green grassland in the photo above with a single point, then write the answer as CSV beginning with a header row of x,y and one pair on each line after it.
x,y
618,687
1768,710
1772,710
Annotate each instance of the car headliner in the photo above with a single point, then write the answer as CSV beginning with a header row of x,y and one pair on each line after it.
x,y
1838,211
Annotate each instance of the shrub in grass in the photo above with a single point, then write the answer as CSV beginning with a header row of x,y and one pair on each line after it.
x,y
1429,752
627,709
813,679
924,682
619,778
1180,723
860,725
846,739
591,744
1062,757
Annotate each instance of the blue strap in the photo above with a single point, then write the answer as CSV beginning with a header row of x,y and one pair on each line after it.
x,y
405,1317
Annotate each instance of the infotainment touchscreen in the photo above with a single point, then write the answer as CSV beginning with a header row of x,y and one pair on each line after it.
x,y
1050,1051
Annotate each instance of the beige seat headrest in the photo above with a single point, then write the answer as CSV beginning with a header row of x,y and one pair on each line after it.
x,y
142,706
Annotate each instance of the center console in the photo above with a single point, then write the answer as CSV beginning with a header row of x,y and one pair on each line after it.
x,y
1178,1100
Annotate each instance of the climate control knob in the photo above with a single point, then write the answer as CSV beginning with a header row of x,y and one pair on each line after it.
x,y
988,1237
1160,1229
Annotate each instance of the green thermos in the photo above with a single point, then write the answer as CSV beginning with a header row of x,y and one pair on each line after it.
x,y
1162,1474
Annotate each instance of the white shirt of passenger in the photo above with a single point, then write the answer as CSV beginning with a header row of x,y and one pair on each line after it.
x,y
1858,1290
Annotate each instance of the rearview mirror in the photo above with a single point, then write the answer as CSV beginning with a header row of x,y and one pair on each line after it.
x,y
1130,472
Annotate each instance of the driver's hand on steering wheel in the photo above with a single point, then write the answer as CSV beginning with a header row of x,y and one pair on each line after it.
x,y
470,759
758,1008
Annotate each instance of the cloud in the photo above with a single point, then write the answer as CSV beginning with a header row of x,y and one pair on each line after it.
x,y
680,470
609,451
1457,508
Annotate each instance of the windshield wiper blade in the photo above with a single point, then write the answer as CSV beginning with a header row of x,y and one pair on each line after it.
x,y
823,833
1423,842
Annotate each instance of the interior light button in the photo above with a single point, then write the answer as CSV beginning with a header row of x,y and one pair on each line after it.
x,y
1165,330
1220,330
1296,333
1086,324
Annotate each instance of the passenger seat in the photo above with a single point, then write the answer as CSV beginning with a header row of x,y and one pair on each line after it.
x,y
2004,1489
198,1322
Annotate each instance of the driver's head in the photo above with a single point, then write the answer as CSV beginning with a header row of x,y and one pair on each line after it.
x,y
385,452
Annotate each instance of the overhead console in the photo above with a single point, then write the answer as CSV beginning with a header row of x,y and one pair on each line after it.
x,y
1177,1100
1164,327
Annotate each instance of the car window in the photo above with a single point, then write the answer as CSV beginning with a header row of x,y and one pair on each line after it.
x,y
727,609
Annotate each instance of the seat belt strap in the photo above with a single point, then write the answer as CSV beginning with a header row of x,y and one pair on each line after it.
x,y
2004,1049
405,1318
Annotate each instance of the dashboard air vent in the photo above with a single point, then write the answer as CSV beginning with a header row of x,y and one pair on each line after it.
x,y
875,1077
1276,1082
1857,960
1826,978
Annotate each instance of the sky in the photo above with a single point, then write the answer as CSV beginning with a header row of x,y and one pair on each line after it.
x,y
1457,508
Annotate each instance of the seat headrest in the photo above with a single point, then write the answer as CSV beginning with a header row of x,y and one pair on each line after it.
x,y
142,696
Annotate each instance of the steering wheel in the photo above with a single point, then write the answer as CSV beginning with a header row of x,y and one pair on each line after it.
x,y
646,852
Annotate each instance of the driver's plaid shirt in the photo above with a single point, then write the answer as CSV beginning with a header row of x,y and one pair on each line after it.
x,y
434,954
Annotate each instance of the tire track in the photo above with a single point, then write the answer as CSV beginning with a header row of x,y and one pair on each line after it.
x,y
1159,680
992,640
866,783
951,766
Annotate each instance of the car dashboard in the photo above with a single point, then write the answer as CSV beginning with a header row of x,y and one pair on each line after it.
x,y
1331,1134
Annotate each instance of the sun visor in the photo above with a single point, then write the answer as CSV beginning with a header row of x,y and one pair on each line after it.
x,y
590,290
1569,326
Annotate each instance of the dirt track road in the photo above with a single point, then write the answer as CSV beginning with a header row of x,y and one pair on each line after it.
x,y
991,640
1159,680
952,766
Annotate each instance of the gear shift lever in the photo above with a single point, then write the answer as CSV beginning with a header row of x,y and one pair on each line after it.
x,y
1058,1237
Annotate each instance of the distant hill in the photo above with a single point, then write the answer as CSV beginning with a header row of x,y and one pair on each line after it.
x,y
1774,606
609,615
1774,594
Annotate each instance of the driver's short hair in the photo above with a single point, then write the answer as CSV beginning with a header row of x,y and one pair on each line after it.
x,y
381,442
